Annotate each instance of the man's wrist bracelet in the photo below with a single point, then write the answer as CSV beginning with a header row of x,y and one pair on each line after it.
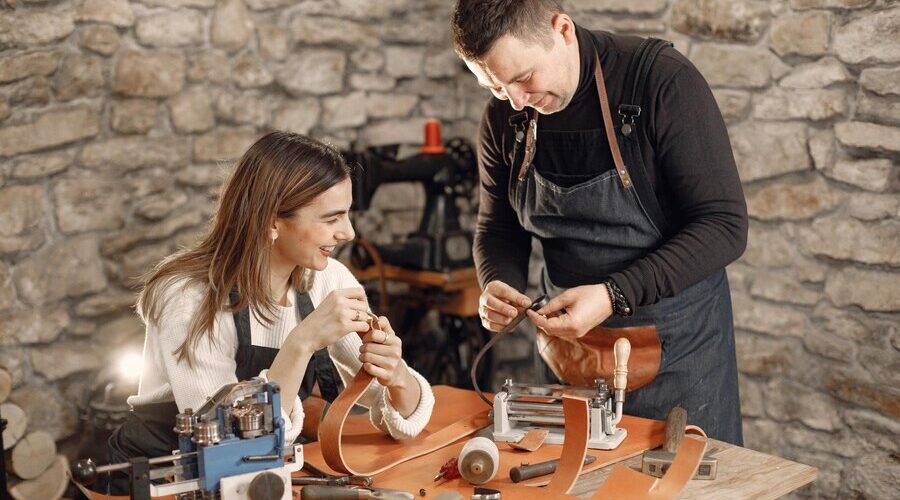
x,y
620,305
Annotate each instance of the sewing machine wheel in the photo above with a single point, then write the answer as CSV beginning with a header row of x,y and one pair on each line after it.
x,y
266,486
462,153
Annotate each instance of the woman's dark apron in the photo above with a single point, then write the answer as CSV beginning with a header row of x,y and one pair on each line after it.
x,y
148,429
683,351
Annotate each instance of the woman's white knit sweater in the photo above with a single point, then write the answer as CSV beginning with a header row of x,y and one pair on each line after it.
x,y
164,378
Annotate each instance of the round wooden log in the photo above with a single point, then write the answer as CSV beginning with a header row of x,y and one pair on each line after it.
x,y
16,424
5,384
51,485
33,455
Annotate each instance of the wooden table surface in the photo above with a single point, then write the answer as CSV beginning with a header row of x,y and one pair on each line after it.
x,y
742,473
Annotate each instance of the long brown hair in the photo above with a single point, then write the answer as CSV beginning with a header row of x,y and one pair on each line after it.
x,y
280,173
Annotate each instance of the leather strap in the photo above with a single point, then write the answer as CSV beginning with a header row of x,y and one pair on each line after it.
x,y
332,427
576,412
532,440
608,125
625,482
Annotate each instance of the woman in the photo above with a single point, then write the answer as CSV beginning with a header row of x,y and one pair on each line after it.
x,y
260,296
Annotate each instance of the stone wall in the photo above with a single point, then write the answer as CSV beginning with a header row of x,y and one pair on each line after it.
x,y
119,120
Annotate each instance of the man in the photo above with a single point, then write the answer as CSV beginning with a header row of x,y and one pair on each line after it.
x,y
637,213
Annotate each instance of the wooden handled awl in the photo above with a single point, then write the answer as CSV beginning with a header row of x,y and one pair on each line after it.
x,y
528,471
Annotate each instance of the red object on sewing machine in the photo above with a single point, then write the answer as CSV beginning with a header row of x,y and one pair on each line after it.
x,y
433,144
450,470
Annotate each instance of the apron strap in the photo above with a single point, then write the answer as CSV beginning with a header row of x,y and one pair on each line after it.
x,y
608,125
320,368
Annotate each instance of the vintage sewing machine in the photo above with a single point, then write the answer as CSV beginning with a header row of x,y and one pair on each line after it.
x,y
231,448
519,408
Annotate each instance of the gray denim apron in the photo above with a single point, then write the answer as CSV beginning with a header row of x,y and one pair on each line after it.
x,y
600,226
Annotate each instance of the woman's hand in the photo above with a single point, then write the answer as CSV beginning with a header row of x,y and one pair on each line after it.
x,y
343,311
382,355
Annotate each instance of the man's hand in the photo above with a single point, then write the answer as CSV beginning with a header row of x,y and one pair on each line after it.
x,y
499,304
574,312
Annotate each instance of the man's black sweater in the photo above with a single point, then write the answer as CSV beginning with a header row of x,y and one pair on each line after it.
x,y
688,158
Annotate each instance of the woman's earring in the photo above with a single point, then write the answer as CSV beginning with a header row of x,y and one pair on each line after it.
x,y
274,236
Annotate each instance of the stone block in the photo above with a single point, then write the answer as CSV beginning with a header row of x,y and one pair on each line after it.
x,y
213,175
50,129
617,6
126,329
869,39
76,271
762,355
342,111
767,318
21,209
79,76
191,111
160,206
849,239
244,109
31,28
87,204
32,326
864,288
397,131
782,287
136,234
102,39
752,402
116,12
19,67
123,154
324,30
47,410
133,116
250,72
733,65
420,28
764,150
5,112
403,62
105,303
231,26
390,105
273,41
816,105
7,290
822,148
828,345
170,28
372,81
873,427
839,323
61,359
876,475
149,75
298,116
14,244
367,59
209,66
873,175
140,260
223,144
733,104
829,4
816,75
883,81
444,64
314,71
791,201
864,206
721,19
787,400
877,109
801,34
32,92
870,136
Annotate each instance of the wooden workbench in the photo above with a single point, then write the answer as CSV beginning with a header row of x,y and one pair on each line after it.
x,y
742,473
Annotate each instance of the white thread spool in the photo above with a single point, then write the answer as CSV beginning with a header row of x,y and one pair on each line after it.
x,y
479,460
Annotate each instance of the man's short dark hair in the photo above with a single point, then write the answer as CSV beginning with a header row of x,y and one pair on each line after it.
x,y
478,24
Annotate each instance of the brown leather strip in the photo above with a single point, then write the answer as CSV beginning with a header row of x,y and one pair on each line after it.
x,y
608,124
332,428
576,412
624,482
533,440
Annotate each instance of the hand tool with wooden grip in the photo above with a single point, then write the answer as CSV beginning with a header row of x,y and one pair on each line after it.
x,y
656,462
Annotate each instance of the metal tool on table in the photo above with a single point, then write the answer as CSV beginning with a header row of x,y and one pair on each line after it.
x,y
320,477
320,492
522,472
450,470
656,462
519,408
231,448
